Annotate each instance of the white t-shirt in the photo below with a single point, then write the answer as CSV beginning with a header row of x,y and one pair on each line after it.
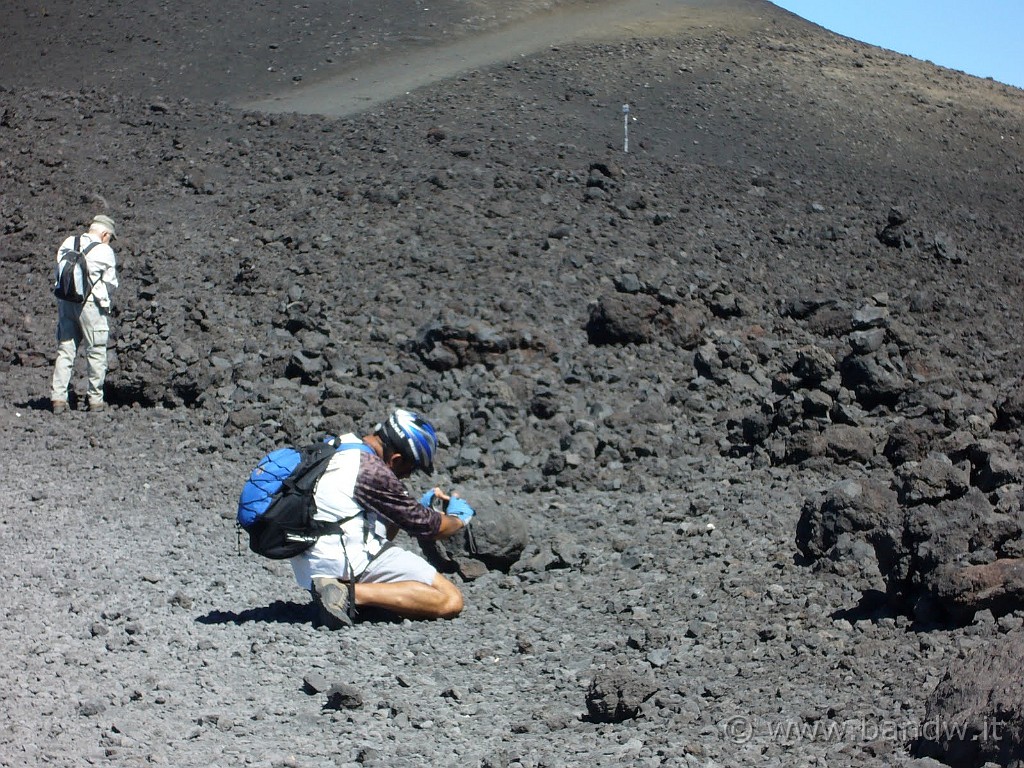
x,y
365,533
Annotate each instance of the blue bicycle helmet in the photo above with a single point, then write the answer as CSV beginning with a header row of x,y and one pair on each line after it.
x,y
412,436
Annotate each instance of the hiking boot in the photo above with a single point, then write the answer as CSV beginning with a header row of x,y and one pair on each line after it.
x,y
59,406
330,597
98,406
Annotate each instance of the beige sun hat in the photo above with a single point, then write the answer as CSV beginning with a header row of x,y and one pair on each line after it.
x,y
107,223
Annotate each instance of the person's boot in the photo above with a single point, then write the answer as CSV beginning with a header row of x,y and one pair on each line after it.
x,y
59,406
330,597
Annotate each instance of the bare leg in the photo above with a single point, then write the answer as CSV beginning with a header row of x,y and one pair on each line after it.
x,y
413,599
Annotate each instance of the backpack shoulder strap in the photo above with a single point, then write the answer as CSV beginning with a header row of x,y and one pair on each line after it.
x,y
323,452
73,249
314,461
355,447
85,264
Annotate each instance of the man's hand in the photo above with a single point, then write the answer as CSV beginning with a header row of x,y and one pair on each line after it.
x,y
460,508
455,512
435,498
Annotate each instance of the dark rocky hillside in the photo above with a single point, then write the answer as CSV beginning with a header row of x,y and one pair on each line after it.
x,y
752,389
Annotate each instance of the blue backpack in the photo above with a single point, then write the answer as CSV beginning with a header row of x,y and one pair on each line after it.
x,y
276,506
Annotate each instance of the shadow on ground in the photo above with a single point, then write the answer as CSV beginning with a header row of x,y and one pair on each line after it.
x,y
289,612
278,612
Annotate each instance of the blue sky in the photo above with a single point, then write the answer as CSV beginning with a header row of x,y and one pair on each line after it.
x,y
980,37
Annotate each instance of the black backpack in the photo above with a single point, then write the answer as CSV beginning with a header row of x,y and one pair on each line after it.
x,y
73,282
276,506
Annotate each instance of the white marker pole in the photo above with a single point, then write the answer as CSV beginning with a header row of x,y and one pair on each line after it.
x,y
625,128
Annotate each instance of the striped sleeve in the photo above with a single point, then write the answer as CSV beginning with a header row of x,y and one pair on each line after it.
x,y
378,490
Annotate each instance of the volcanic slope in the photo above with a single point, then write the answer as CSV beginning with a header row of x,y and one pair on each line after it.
x,y
615,344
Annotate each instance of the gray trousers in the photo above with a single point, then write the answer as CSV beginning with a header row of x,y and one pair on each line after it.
x,y
86,324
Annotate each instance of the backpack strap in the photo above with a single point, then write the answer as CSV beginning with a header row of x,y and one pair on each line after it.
x,y
355,447
77,247
73,249
85,266
325,528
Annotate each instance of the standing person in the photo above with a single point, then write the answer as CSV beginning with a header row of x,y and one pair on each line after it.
x,y
86,323
363,490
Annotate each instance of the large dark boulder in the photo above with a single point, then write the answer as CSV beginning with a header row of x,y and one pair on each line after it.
x,y
812,366
994,466
912,440
456,341
976,713
1010,411
622,319
616,694
855,531
637,318
876,379
954,530
932,480
963,591
494,539
849,507
945,557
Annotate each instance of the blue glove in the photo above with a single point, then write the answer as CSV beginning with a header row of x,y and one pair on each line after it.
x,y
459,508
432,500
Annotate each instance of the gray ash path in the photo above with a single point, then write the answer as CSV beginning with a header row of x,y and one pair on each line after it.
x,y
362,87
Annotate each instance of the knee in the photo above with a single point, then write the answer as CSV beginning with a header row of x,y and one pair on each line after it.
x,y
451,602
453,606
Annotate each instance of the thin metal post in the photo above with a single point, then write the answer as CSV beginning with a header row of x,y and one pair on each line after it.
x,y
625,128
